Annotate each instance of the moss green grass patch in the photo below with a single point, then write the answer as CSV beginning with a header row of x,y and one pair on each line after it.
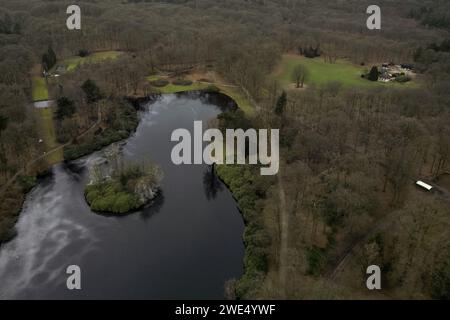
x,y
111,197
40,91
321,73
233,92
73,62
243,103
48,134
172,88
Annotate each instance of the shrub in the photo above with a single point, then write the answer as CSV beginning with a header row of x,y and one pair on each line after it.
x,y
402,78
83,53
212,89
182,82
440,282
310,52
65,108
245,182
255,259
281,104
92,91
316,259
49,59
159,83
111,197
373,74
125,188
27,182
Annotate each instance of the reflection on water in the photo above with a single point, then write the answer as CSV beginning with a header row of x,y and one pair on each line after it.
x,y
211,183
186,245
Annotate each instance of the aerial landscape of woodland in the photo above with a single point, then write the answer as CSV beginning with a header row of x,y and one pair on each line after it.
x,y
364,147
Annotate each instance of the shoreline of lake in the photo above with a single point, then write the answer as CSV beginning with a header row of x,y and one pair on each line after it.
x,y
87,156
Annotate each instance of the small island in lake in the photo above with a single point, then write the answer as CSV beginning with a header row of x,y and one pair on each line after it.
x,y
120,187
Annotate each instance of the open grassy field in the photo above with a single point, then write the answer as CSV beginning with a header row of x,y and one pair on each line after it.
x,y
321,73
232,92
73,62
40,91
47,130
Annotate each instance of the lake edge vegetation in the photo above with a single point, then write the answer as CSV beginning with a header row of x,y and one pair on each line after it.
x,y
121,187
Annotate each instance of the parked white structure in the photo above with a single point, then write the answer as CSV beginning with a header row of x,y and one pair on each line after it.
x,y
424,185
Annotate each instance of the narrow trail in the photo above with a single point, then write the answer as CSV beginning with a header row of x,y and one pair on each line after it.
x,y
49,153
284,234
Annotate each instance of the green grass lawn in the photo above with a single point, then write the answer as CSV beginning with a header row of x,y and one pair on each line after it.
x,y
73,62
40,91
232,92
321,73
172,88
48,134
155,77
239,98
47,127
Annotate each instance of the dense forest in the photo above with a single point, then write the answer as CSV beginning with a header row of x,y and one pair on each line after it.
x,y
344,197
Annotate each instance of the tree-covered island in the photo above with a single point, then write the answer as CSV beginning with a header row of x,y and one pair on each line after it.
x,y
120,187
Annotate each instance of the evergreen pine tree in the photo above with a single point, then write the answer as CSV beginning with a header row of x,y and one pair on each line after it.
x,y
373,74
281,104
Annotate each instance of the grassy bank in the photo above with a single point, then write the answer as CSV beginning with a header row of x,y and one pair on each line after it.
x,y
73,62
47,129
231,91
249,188
235,93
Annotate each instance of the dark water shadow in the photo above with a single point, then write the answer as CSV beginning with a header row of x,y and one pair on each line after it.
x,y
218,99
74,170
154,207
211,183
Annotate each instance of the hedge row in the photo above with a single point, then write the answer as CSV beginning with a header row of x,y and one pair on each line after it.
x,y
248,188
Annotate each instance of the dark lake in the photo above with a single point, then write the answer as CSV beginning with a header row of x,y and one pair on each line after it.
x,y
184,246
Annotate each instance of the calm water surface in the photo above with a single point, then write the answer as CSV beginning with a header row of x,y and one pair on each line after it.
x,y
184,246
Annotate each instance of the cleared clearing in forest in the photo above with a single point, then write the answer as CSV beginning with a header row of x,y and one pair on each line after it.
x,y
40,91
322,73
73,62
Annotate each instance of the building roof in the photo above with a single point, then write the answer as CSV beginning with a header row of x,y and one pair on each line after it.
x,y
424,185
